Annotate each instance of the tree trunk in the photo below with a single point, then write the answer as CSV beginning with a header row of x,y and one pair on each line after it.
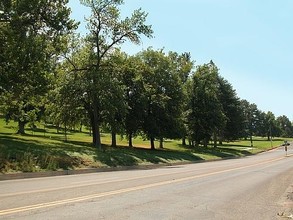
x,y
215,139
80,128
21,125
184,141
269,137
114,142
65,132
96,126
205,142
220,137
251,142
93,130
152,143
97,136
130,140
161,143
45,129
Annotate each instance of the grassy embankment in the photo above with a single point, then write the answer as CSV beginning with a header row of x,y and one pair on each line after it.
x,y
46,150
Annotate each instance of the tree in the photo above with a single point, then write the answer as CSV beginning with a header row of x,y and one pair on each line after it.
x,y
64,103
205,115
271,125
133,84
107,31
113,101
162,96
250,113
33,35
183,65
285,126
232,110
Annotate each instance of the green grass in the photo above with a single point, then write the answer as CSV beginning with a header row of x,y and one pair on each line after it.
x,y
42,150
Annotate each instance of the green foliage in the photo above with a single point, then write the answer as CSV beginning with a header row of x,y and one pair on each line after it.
x,y
205,115
162,95
286,129
33,34
64,104
111,30
232,110
49,74
107,32
134,96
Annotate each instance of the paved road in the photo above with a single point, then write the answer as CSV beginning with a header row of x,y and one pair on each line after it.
x,y
248,188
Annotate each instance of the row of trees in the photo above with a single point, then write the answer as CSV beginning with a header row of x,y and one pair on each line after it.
x,y
48,73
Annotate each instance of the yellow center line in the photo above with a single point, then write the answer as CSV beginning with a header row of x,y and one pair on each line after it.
x,y
120,191
93,183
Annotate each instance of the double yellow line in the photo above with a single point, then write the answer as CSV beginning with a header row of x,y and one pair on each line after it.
x,y
115,192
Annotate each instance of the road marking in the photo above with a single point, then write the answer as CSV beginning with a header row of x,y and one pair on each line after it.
x,y
93,183
120,191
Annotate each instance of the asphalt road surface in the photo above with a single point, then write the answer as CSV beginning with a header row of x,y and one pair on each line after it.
x,y
254,187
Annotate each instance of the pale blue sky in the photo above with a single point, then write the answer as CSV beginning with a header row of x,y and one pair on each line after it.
x,y
250,41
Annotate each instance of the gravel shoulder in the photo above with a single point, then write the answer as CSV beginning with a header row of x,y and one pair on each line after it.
x,y
287,204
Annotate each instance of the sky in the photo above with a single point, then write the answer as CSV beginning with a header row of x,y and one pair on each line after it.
x,y
250,41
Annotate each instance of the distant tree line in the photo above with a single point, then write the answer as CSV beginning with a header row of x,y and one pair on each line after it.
x,y
50,74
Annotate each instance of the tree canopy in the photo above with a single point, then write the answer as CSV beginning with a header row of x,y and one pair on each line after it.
x,y
107,30
33,35
50,73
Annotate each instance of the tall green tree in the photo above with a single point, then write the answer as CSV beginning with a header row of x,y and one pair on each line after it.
x,y
232,110
163,96
33,33
205,115
271,125
251,119
261,125
65,102
285,125
114,103
183,65
134,96
107,30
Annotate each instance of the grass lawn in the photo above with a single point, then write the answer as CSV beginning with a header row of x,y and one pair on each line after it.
x,y
45,149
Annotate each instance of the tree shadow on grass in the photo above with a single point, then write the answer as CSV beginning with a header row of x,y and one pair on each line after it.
x,y
220,152
266,140
229,152
232,145
125,156
60,153
26,155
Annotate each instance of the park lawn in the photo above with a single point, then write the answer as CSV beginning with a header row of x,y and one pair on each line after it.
x,y
43,150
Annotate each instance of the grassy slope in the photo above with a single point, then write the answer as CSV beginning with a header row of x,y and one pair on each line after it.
x,y
41,150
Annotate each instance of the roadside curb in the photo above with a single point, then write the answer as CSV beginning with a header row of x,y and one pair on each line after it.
x,y
28,175
14,176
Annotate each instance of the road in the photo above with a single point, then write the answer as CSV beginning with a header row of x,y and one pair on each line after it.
x,y
247,188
